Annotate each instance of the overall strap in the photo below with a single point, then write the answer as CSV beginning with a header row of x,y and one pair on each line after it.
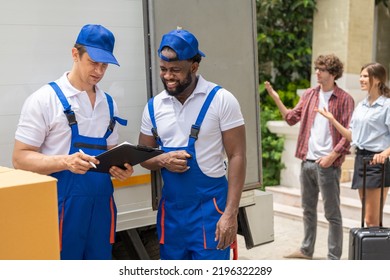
x,y
113,119
154,128
195,128
69,113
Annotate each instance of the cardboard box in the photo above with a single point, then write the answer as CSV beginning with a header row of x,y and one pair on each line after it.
x,y
28,216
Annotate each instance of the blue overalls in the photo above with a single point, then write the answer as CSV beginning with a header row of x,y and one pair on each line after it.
x,y
86,207
191,203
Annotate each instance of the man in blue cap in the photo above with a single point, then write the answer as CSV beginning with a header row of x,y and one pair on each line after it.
x,y
62,126
195,122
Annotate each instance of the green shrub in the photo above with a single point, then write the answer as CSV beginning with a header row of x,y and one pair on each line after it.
x,y
284,48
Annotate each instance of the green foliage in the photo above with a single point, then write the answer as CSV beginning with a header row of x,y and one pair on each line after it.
x,y
272,147
284,46
284,38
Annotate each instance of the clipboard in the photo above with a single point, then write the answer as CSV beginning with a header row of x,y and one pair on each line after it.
x,y
124,153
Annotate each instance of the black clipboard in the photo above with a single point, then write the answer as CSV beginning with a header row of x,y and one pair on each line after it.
x,y
124,153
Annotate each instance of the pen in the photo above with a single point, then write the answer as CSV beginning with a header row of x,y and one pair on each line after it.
x,y
90,162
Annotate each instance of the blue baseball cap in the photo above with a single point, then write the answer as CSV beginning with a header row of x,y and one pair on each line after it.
x,y
99,43
182,42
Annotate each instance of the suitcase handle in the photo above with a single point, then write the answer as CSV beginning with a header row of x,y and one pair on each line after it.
x,y
366,160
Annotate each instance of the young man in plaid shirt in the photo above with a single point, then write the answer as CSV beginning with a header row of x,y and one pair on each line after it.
x,y
322,150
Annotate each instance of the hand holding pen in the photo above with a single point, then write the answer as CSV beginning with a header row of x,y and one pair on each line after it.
x,y
90,162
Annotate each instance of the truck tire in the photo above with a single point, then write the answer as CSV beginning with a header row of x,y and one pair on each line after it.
x,y
136,244
150,240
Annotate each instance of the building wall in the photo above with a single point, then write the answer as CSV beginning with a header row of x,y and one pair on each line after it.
x,y
360,35
330,28
345,28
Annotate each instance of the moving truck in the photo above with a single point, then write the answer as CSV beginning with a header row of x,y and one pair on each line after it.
x,y
37,37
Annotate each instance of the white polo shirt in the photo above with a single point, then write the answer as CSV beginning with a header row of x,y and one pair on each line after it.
x,y
43,123
174,121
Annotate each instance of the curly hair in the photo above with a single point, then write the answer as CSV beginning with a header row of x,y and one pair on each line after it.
x,y
332,64
376,70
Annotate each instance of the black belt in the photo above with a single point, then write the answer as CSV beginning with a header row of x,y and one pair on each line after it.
x,y
365,152
311,160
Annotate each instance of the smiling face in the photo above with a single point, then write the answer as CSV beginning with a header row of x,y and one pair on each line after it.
x,y
364,80
367,81
178,77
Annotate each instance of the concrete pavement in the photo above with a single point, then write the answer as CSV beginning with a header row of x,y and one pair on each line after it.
x,y
288,234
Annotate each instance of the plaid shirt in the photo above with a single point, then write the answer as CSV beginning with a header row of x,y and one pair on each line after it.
x,y
341,105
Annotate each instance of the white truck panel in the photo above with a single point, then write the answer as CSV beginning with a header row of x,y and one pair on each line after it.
x,y
37,37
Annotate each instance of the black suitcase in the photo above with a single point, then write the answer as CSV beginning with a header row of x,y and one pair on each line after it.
x,y
370,243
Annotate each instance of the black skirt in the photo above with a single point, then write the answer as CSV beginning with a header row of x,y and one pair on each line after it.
x,y
373,173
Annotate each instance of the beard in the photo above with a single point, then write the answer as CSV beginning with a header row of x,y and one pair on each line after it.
x,y
181,87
